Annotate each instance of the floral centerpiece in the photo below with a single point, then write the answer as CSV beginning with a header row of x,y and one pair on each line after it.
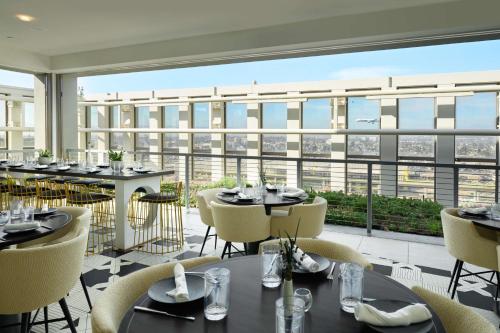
x,y
115,159
44,157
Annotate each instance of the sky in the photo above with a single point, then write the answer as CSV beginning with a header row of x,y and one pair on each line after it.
x,y
464,57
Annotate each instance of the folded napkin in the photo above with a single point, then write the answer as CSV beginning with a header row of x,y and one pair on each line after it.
x,y
271,187
243,196
235,190
305,261
180,293
66,167
408,315
294,194
21,226
476,210
41,166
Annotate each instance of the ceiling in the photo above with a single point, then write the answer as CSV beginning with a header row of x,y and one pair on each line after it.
x,y
87,35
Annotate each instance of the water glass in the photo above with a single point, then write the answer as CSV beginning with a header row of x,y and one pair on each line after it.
x,y
351,286
305,295
217,284
270,266
29,214
290,317
16,211
495,211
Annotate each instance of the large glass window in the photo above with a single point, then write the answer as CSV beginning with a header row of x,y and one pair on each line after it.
x,y
142,121
418,114
29,121
363,113
92,122
171,120
316,114
476,112
3,123
236,117
117,140
274,116
201,120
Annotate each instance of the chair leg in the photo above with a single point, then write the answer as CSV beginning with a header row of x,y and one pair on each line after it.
x,y
46,318
224,251
245,247
457,277
205,240
25,322
498,285
67,315
215,247
229,250
84,286
453,275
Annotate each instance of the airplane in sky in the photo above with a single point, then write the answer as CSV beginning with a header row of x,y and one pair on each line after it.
x,y
367,120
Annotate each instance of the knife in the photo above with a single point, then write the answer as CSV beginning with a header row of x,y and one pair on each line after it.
x,y
148,310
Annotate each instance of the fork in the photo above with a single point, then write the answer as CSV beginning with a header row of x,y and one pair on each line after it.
x,y
330,275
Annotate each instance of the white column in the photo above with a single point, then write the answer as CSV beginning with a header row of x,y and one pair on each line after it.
x,y
14,116
338,145
67,110
42,114
253,141
293,144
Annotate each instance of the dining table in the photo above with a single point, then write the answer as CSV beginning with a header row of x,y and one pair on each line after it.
x,y
252,306
126,182
269,199
49,224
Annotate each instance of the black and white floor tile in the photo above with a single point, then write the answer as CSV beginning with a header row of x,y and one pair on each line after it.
x,y
104,269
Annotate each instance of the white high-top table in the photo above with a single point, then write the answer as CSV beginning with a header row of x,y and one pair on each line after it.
x,y
126,182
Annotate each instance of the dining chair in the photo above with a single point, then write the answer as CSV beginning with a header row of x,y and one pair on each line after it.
x,y
240,224
204,198
311,217
469,244
116,300
455,317
327,249
40,276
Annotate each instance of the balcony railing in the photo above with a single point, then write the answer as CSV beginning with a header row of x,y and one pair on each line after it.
x,y
395,196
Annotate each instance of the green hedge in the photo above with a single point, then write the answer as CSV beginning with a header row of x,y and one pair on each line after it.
x,y
418,216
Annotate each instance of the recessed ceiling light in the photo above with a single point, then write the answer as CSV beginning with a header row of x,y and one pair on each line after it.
x,y
25,17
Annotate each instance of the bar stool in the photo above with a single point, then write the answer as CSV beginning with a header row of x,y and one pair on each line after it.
x,y
85,193
4,194
22,189
49,192
157,220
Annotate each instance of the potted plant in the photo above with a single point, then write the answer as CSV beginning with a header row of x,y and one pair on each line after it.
x,y
44,157
116,159
287,249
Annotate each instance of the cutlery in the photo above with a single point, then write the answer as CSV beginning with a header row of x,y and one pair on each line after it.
x,y
330,275
51,216
148,310
47,227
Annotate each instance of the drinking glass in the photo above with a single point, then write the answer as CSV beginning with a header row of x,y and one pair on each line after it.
x,y
16,211
305,295
217,282
351,286
270,266
495,211
290,317
29,214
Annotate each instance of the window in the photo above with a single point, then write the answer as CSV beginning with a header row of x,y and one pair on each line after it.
x,y
274,116
142,121
316,114
92,122
171,120
236,117
476,112
29,121
363,113
201,119
3,123
419,114
117,140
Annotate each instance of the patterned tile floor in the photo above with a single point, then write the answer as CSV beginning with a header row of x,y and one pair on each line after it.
x,y
409,263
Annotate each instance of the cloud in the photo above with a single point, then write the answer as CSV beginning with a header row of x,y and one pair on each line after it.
x,y
365,72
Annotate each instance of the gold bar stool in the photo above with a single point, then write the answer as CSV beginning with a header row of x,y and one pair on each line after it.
x,y
4,194
85,193
49,192
22,189
157,220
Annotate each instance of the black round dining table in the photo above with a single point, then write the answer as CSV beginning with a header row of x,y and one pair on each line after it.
x,y
252,307
48,224
269,199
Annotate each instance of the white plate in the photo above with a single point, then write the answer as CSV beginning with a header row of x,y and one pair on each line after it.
x,y
64,168
42,166
19,231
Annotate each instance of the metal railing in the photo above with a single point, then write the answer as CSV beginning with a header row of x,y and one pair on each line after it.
x,y
385,189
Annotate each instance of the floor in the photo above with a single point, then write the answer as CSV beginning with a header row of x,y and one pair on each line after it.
x,y
410,262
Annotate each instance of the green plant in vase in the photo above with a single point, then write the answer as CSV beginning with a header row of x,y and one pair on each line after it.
x,y
44,157
115,159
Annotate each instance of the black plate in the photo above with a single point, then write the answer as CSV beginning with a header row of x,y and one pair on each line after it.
x,y
73,164
95,171
195,285
103,166
468,215
323,262
38,212
394,305
142,171
245,199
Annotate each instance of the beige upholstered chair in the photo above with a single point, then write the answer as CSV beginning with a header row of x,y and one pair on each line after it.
x,y
468,243
240,224
115,301
39,276
204,198
311,217
327,249
456,318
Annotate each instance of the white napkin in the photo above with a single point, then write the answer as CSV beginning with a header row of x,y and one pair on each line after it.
x,y
180,293
235,190
476,210
305,261
408,315
21,226
242,195
41,166
66,167
294,194
271,187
